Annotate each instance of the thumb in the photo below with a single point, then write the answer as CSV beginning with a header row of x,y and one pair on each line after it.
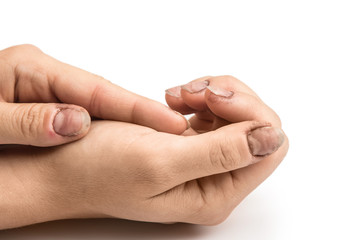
x,y
228,148
42,124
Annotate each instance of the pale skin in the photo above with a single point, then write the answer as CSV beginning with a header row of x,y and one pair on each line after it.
x,y
145,165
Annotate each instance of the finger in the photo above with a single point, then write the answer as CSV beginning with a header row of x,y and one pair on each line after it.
x,y
236,106
175,102
191,95
174,96
206,121
230,99
42,124
199,125
37,72
229,148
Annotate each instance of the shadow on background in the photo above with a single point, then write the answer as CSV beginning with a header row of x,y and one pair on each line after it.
x,y
255,218
103,229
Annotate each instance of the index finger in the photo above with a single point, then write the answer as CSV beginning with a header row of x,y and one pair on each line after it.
x,y
40,78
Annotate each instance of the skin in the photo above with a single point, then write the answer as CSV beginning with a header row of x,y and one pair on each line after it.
x,y
35,86
125,170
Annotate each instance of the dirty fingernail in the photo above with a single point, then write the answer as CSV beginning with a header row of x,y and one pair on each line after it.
x,y
220,92
174,92
195,87
70,122
264,141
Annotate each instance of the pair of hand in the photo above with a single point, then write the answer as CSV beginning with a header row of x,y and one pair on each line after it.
x,y
146,165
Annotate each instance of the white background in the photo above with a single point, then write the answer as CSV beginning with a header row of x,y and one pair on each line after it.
x,y
301,57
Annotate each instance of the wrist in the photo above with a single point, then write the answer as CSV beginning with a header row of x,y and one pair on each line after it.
x,y
31,190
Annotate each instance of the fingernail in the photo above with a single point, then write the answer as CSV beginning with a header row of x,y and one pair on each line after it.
x,y
70,122
220,92
195,87
187,121
175,91
266,140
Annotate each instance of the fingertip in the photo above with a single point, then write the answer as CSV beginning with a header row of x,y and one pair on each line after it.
x,y
188,125
193,95
174,91
176,123
175,101
264,141
70,122
217,92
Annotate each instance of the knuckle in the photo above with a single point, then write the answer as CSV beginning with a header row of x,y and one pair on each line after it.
x,y
23,49
224,154
214,220
226,78
28,48
230,77
196,200
95,103
213,214
197,205
31,74
189,203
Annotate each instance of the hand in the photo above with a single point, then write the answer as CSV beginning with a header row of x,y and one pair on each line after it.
x,y
129,171
37,93
219,101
